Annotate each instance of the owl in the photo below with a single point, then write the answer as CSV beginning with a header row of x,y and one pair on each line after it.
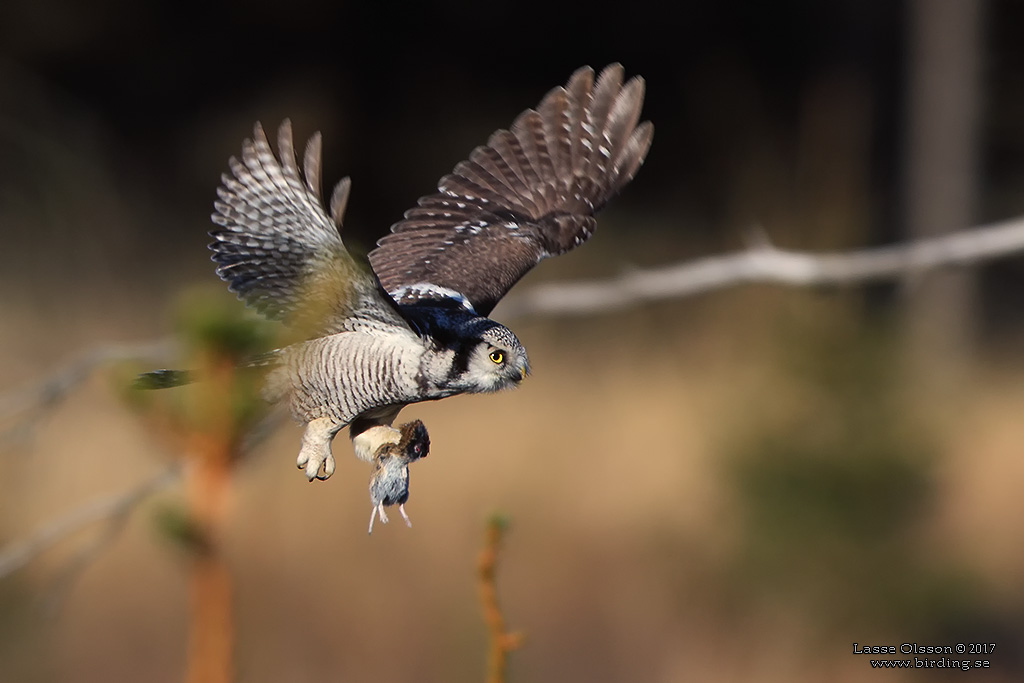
x,y
412,324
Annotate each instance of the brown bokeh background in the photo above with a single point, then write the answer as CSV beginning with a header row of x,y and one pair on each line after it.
x,y
731,487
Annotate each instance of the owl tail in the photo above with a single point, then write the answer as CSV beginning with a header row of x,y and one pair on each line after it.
x,y
163,379
167,379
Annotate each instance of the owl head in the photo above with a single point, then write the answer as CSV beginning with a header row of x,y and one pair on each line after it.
x,y
495,359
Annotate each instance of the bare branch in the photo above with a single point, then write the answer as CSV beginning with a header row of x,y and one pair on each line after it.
x,y
20,408
112,508
764,263
502,641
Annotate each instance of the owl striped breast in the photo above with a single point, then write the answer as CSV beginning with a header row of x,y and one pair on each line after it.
x,y
346,374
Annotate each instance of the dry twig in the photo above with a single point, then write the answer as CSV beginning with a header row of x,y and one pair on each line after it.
x,y
502,641
21,408
112,509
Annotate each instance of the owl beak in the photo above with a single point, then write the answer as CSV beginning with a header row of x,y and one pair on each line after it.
x,y
518,370
517,373
524,370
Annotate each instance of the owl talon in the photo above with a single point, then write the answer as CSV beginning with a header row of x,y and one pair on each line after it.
x,y
329,466
315,457
323,470
316,465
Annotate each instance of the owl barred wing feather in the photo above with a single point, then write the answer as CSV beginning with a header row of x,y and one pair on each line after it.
x,y
280,249
529,193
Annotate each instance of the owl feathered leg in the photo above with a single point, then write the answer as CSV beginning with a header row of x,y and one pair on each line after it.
x,y
315,457
367,443
372,431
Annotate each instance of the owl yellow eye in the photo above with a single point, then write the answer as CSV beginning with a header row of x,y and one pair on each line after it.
x,y
497,356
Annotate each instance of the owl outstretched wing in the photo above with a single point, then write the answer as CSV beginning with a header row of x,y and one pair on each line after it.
x,y
280,249
529,193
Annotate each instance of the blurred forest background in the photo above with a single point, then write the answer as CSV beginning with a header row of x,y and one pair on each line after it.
x,y
731,487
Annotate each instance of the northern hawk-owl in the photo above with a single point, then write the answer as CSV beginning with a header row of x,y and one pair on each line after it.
x,y
413,326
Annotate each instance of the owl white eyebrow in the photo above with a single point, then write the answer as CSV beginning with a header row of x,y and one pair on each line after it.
x,y
421,290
